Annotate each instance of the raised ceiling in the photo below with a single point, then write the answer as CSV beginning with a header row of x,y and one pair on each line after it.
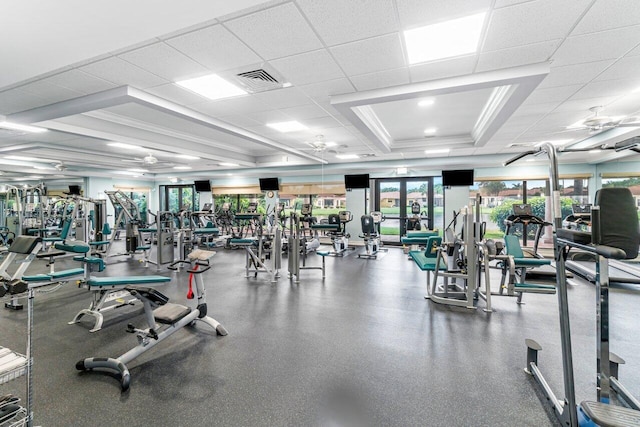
x,y
100,77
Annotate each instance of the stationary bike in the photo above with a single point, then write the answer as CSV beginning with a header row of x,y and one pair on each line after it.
x,y
163,318
371,234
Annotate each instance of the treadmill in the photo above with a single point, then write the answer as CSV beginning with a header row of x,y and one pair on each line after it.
x,y
583,264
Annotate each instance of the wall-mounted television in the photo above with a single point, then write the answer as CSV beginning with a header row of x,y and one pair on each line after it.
x,y
457,178
269,184
74,190
356,181
202,186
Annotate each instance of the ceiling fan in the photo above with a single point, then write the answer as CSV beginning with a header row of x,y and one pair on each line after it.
x,y
598,123
148,160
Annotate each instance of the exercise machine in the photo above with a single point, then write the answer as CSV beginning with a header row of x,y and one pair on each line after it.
x,y
340,237
162,317
614,235
299,247
371,235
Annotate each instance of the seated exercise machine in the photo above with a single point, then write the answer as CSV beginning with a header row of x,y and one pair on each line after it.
x,y
339,236
12,283
263,251
415,236
464,262
371,235
163,318
298,247
614,235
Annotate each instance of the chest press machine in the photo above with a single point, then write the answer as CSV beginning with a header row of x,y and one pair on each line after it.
x,y
163,319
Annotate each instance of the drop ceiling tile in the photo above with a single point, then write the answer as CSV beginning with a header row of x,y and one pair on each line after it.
x,y
596,46
271,116
521,55
605,15
50,92
305,112
574,74
323,90
635,51
534,22
176,94
251,9
415,13
582,105
239,105
320,123
239,120
165,61
339,21
80,81
370,55
624,68
540,96
123,73
276,32
215,48
282,98
381,79
608,88
443,69
625,106
506,3
528,109
15,100
306,68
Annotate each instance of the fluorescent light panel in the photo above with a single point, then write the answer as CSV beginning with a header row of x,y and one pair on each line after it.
x,y
187,157
445,39
426,102
126,146
182,167
284,127
347,156
228,164
25,128
437,151
212,86
430,131
24,159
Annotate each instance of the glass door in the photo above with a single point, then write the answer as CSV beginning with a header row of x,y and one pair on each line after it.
x,y
388,202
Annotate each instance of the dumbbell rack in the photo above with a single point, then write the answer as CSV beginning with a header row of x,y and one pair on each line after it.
x,y
14,365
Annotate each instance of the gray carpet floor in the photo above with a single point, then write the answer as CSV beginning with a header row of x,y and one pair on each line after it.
x,y
362,347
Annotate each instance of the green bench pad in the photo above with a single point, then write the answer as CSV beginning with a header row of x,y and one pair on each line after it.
x,y
531,262
52,239
242,241
66,273
78,248
36,278
424,263
143,248
322,253
421,234
209,230
147,230
126,280
99,243
414,240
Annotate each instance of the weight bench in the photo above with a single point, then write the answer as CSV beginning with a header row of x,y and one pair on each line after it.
x,y
426,259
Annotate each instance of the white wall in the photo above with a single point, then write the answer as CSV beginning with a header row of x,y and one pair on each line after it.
x,y
355,201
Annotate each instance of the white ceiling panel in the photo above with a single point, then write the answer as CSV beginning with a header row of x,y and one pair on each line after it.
x,y
373,54
442,69
415,13
271,116
624,68
608,88
14,100
123,73
50,92
635,51
81,82
310,67
582,105
215,48
627,105
608,14
164,61
541,96
283,98
276,32
339,21
323,90
304,112
239,105
322,123
381,79
176,94
506,3
521,55
574,74
532,22
239,120
597,46
544,108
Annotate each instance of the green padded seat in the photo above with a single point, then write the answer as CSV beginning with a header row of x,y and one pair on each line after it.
x,y
143,248
126,280
99,243
66,273
512,244
322,253
78,248
147,230
36,278
207,230
242,241
422,233
425,263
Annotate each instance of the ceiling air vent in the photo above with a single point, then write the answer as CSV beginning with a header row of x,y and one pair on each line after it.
x,y
258,80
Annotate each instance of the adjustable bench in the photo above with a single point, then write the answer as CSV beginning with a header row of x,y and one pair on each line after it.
x,y
418,237
426,259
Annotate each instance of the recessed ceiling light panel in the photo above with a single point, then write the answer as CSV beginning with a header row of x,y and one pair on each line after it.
x,y
347,156
25,128
228,164
445,39
430,131
212,86
187,157
437,151
291,126
182,167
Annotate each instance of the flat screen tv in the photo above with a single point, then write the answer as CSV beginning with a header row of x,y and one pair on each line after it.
x,y
202,186
269,184
74,190
356,181
457,178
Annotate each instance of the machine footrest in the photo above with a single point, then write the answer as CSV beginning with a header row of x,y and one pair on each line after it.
x,y
610,415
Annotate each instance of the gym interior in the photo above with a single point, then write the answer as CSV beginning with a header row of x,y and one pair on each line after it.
x,y
320,213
